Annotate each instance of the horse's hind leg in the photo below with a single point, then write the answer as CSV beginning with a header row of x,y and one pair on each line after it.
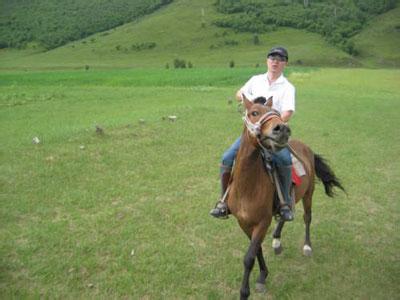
x,y
307,250
276,242
260,285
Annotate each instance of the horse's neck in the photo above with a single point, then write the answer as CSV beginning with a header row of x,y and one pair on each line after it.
x,y
249,168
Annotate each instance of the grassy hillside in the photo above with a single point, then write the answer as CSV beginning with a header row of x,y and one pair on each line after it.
x,y
336,21
379,42
50,23
183,29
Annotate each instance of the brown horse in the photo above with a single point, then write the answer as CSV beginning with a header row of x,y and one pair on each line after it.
x,y
251,191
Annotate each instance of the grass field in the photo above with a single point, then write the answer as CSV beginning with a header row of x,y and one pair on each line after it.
x,y
124,214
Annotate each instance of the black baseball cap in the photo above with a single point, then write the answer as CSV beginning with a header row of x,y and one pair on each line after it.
x,y
278,51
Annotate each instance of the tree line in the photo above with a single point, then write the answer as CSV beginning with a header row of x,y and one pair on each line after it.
x,y
52,23
336,20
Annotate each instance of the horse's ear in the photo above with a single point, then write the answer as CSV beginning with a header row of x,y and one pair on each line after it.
x,y
247,103
269,102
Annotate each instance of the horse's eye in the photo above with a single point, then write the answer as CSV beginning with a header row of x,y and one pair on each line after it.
x,y
255,113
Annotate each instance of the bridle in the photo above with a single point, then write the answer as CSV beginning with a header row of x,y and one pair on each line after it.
x,y
255,128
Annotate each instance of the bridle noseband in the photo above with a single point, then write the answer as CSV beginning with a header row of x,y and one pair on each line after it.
x,y
255,128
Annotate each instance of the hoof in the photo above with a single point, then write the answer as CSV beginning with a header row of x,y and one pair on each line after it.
x,y
261,288
276,244
307,251
278,250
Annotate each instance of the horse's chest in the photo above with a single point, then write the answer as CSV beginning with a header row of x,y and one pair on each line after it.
x,y
251,210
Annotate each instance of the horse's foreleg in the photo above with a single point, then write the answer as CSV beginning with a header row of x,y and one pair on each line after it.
x,y
276,242
248,262
260,285
307,250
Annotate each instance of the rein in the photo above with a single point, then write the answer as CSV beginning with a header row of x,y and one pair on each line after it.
x,y
255,131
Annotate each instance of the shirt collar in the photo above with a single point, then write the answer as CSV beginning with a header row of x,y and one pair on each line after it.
x,y
281,79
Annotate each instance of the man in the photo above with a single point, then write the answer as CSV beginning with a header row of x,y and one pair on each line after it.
x,y
273,83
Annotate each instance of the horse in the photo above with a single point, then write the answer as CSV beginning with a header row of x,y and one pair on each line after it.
x,y
251,191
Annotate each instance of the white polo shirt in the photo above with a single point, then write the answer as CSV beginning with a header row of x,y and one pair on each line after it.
x,y
281,90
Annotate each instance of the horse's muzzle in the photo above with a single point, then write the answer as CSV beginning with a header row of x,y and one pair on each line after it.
x,y
277,137
282,131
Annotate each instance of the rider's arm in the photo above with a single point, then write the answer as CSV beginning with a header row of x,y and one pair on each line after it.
x,y
239,97
286,115
247,90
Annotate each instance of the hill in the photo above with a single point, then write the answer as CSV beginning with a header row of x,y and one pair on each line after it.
x,y
185,30
336,21
379,43
50,23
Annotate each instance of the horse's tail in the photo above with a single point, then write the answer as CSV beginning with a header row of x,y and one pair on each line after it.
x,y
326,175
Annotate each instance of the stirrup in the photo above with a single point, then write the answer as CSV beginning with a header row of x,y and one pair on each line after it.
x,y
220,211
286,213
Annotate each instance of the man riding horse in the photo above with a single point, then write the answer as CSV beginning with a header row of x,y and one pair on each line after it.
x,y
264,86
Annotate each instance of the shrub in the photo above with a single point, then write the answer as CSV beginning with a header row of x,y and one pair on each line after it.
x,y
3,44
231,42
256,39
179,63
143,46
231,64
349,47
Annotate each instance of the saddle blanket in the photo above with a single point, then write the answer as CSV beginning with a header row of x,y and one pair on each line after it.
x,y
297,170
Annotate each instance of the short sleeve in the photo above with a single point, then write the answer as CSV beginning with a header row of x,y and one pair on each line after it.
x,y
247,89
288,99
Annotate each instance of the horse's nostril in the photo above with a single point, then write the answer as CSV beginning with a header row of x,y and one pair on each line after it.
x,y
281,129
277,128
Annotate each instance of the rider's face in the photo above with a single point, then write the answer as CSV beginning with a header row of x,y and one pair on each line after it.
x,y
276,64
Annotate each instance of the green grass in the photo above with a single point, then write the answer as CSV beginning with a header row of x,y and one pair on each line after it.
x,y
127,215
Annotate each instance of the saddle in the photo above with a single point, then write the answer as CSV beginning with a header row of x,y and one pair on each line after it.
x,y
298,170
